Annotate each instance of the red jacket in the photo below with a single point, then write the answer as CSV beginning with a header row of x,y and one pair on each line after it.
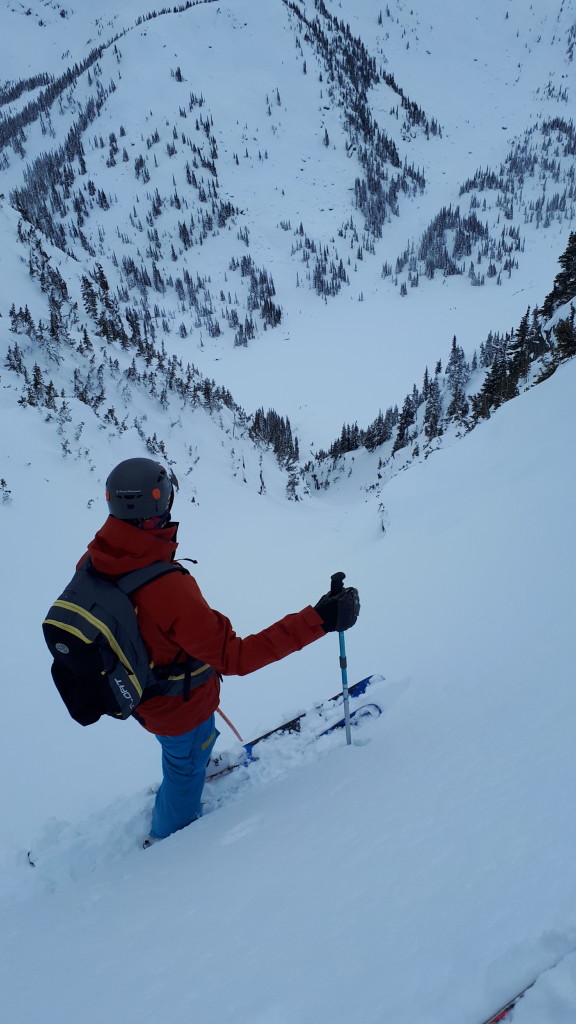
x,y
174,617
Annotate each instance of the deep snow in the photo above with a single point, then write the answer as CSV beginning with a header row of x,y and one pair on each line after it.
x,y
419,876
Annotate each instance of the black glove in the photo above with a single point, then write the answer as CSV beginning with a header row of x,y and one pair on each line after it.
x,y
339,611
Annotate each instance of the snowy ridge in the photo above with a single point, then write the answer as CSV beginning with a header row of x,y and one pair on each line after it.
x,y
172,209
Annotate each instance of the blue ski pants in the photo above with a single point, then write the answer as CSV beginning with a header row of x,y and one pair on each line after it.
x,y
184,761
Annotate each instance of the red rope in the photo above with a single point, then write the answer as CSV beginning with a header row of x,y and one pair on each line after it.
x,y
228,722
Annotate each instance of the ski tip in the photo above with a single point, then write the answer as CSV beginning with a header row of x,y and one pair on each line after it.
x,y
504,1012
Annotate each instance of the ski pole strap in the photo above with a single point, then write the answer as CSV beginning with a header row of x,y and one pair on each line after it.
x,y
229,723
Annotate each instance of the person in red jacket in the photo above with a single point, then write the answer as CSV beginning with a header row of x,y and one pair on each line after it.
x,y
179,626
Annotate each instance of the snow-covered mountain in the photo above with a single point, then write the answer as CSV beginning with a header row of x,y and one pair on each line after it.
x,y
229,228
196,210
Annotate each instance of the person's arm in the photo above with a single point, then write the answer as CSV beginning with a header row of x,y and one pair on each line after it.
x,y
208,635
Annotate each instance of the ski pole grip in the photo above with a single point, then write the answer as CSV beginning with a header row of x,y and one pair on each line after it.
x,y
337,582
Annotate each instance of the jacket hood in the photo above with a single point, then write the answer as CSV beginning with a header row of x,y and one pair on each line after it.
x,y
120,547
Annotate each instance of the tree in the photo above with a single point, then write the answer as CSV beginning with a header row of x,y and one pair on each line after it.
x,y
407,419
565,282
101,279
56,324
519,355
565,334
89,297
433,411
14,359
381,429
494,390
35,390
457,375
277,432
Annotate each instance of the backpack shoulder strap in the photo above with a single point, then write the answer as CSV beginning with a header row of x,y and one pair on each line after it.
x,y
132,581
137,578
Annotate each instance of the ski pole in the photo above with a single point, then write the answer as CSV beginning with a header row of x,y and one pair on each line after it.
x,y
336,585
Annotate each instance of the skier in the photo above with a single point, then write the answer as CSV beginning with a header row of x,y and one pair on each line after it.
x,y
178,625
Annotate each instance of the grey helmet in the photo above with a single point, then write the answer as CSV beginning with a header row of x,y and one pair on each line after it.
x,y
139,489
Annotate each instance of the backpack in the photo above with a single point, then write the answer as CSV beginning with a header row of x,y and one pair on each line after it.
x,y
101,665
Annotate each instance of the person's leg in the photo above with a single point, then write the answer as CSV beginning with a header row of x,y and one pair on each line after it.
x,y
184,761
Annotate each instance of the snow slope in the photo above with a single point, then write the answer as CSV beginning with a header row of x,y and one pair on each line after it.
x,y
421,875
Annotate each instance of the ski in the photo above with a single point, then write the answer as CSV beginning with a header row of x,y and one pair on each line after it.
x,y
356,716
295,724
504,1012
220,766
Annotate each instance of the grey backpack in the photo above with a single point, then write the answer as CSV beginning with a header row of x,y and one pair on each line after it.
x,y
101,666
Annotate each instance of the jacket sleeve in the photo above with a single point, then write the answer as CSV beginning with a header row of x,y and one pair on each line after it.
x,y
207,634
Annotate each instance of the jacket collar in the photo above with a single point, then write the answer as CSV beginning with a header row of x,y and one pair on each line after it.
x,y
120,547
